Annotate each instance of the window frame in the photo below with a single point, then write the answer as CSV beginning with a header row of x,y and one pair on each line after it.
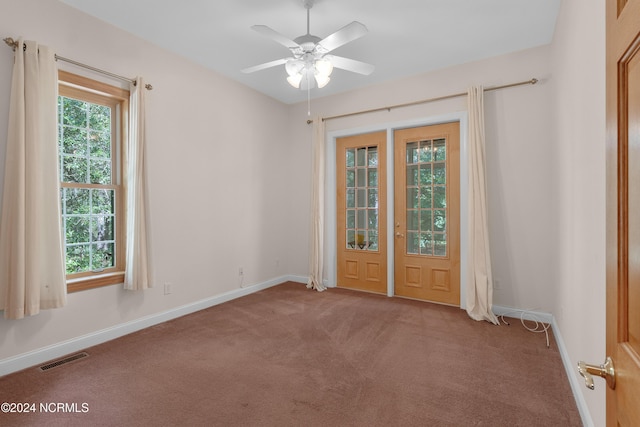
x,y
85,89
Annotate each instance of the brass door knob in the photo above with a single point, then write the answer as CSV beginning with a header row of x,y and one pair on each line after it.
x,y
605,371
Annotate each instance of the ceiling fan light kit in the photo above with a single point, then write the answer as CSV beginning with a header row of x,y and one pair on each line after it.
x,y
310,65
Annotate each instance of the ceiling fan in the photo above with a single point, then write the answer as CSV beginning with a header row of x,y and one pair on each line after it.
x,y
310,63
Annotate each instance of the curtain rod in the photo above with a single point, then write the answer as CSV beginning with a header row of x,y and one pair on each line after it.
x,y
423,101
14,45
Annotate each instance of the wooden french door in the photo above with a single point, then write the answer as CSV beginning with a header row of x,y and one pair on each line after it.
x,y
361,206
427,213
623,210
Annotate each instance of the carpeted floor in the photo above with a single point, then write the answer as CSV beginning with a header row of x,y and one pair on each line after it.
x,y
288,356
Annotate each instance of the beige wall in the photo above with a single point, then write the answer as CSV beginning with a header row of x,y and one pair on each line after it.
x,y
579,85
218,180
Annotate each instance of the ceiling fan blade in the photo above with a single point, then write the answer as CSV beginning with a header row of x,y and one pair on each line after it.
x,y
351,65
265,65
344,35
275,36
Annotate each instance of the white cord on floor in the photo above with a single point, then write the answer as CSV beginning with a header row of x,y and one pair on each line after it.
x,y
540,326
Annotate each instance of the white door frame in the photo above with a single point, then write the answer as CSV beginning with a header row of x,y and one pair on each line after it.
x,y
330,195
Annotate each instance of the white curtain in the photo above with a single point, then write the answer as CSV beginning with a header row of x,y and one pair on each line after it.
x,y
480,283
32,275
316,249
137,271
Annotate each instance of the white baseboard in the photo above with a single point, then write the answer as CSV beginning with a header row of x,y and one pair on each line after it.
x,y
525,314
569,366
45,354
577,386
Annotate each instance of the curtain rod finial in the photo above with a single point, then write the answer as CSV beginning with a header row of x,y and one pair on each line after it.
x,y
533,81
309,121
11,42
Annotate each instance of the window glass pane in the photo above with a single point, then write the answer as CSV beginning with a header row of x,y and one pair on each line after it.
x,y
86,157
76,200
412,220
74,169
100,171
373,241
425,151
102,201
74,113
362,198
439,220
425,174
351,157
351,178
373,198
372,216
440,244
412,175
351,239
425,197
439,173
440,197
77,230
78,259
351,198
351,218
101,256
373,177
100,118
361,157
101,228
426,215
100,145
74,141
362,180
425,220
373,157
412,152
361,219
412,198
413,242
439,150
426,244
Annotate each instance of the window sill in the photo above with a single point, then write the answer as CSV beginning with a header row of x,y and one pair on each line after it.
x,y
95,281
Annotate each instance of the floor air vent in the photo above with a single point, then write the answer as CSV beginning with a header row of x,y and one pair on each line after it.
x,y
63,361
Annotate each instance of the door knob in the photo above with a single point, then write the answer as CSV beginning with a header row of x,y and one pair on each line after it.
x,y
605,371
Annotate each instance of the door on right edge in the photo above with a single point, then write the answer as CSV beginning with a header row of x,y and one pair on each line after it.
x,y
427,213
623,210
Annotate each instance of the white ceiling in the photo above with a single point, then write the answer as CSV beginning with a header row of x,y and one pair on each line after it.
x,y
406,37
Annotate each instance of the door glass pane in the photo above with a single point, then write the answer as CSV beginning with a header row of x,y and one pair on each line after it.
x,y
373,157
426,202
412,152
361,157
412,242
412,175
351,158
362,198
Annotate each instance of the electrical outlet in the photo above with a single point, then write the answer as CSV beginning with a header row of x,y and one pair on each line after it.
x,y
167,288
